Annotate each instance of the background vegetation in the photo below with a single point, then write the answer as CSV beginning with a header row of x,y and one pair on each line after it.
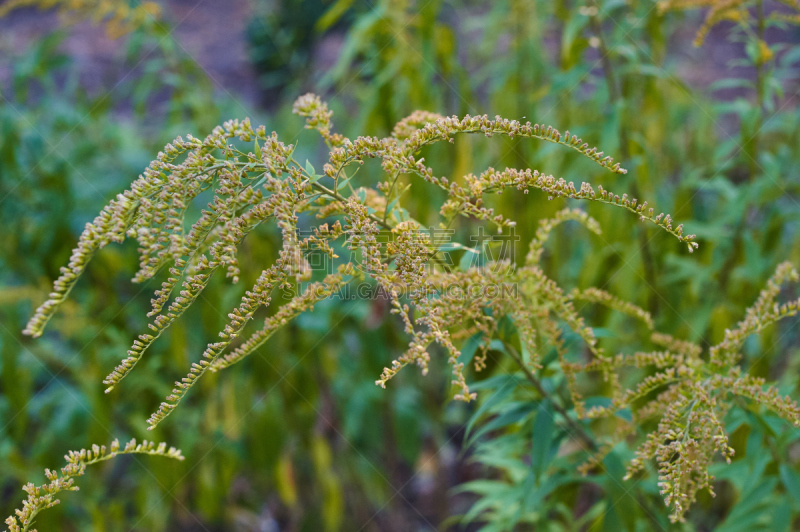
x,y
300,438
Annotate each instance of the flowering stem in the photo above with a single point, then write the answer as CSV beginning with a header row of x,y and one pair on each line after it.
x,y
576,428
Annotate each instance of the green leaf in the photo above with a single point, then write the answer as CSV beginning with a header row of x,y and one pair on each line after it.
x,y
470,347
781,518
333,15
752,508
515,413
732,83
260,181
390,207
535,497
343,183
506,328
791,481
469,259
543,432
488,404
313,176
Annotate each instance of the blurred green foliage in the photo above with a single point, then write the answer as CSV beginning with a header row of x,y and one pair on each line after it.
x,y
281,38
300,438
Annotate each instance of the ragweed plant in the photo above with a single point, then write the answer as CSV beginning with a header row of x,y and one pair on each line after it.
x,y
118,16
694,393
255,178
43,497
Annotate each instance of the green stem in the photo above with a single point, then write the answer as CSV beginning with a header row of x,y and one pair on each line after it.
x,y
577,428
389,195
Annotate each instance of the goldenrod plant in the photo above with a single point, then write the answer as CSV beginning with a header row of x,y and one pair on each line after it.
x,y
736,11
255,178
119,17
44,496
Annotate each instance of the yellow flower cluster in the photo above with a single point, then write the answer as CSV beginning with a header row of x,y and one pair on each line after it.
x,y
733,10
118,16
